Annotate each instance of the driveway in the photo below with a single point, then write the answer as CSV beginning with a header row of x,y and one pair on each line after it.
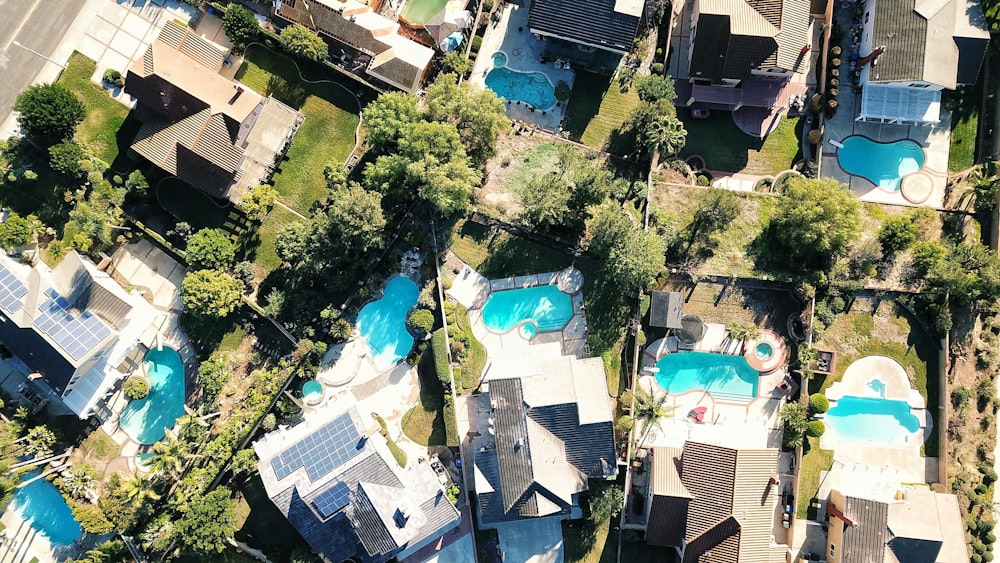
x,y
534,541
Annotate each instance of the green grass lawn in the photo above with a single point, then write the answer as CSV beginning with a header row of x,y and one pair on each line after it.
x,y
814,461
105,115
965,102
424,423
724,147
326,136
475,361
265,257
597,109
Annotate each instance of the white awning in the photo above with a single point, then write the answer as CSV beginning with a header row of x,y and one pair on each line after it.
x,y
900,104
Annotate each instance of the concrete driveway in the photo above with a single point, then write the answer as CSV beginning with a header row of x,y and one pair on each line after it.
x,y
534,541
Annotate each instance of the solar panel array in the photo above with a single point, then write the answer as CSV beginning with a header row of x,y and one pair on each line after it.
x,y
75,334
331,500
326,449
11,290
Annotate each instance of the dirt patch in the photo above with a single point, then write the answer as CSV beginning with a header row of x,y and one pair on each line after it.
x,y
724,304
511,152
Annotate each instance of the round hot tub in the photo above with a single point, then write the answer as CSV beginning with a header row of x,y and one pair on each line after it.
x,y
312,392
499,59
763,351
528,330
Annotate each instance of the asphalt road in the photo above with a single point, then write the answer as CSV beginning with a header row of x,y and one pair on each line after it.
x,y
35,24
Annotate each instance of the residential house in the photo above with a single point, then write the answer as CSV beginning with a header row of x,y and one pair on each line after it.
x,y
745,53
593,33
913,49
74,329
918,526
344,493
384,54
200,125
549,434
711,501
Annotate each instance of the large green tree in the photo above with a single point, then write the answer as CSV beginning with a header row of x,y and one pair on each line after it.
x,y
562,196
207,521
630,256
210,249
17,231
300,41
815,222
211,293
655,87
49,113
386,118
240,25
353,224
479,115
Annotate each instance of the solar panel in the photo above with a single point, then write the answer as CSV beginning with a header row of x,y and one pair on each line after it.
x,y
326,449
331,500
12,290
76,334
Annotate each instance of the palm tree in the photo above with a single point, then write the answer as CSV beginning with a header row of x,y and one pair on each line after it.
x,y
666,136
743,332
78,481
169,455
139,489
648,407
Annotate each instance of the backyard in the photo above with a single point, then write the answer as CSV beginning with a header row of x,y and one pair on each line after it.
x,y
596,112
964,103
725,148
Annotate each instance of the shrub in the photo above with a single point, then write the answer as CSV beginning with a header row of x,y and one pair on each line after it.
x,y
477,44
818,403
703,180
446,284
422,320
814,136
135,388
441,360
656,68
989,475
269,423
397,453
815,428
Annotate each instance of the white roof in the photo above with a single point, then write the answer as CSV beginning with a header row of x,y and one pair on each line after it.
x,y
900,103
629,7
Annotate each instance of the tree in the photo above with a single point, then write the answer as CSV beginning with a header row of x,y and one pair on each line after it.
x,y
386,118
135,388
353,224
300,41
479,115
91,518
169,456
137,183
211,293
563,196
244,463
648,407
244,272
897,233
213,374
210,249
292,243
49,113
65,159
208,521
258,202
77,481
742,332
815,428
454,62
629,256
240,25
815,222
606,500
793,415
138,490
656,87
446,187
39,442
16,231
422,320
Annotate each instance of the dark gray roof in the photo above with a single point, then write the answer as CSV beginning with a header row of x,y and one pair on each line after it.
x,y
913,550
516,473
971,52
594,22
590,447
867,538
36,351
904,33
665,309
375,539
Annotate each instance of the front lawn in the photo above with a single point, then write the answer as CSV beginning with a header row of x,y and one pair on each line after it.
x,y
814,461
326,136
726,148
105,115
596,112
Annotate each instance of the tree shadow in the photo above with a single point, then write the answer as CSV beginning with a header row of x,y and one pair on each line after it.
x,y
585,102
123,139
292,94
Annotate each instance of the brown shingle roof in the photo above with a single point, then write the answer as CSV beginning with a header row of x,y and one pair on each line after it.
x,y
865,541
669,499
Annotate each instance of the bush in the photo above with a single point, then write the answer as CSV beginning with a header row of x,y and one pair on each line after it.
x,y
441,360
135,388
656,68
818,403
477,44
814,136
815,428
989,475
422,320
397,453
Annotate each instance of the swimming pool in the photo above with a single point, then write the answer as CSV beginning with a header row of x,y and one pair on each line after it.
x,y
532,88
546,305
720,374
147,419
763,351
44,509
883,164
419,12
383,322
879,421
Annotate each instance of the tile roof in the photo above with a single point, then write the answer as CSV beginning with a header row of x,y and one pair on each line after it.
x,y
594,23
669,499
866,540
904,33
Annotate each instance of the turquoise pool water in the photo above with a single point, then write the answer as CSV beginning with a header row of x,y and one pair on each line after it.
x,y
383,323
866,419
146,420
532,88
499,59
883,164
549,307
720,374
763,351
44,509
312,387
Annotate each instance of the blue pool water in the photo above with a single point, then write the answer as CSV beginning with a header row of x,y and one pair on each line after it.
x,y
40,504
883,164
872,420
725,376
532,88
499,59
383,323
549,307
312,387
146,420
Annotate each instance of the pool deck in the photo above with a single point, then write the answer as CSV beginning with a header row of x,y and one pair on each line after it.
x,y
523,52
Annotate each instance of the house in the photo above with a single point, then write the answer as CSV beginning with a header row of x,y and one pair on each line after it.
x,y
549,434
707,499
592,32
385,55
74,327
745,52
666,309
913,49
918,526
344,493
198,124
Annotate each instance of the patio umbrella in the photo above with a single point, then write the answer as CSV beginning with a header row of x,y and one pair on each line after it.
x,y
452,42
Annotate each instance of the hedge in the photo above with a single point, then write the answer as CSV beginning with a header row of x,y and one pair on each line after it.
x,y
450,424
439,345
397,453
818,403
815,428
